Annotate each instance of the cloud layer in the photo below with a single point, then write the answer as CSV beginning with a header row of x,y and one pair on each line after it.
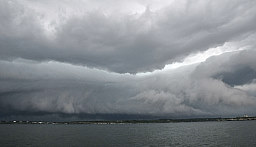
x,y
63,59
121,42
194,90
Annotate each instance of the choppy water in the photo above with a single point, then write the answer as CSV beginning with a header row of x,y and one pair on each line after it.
x,y
241,133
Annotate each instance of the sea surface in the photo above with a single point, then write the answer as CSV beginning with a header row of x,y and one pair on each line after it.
x,y
227,133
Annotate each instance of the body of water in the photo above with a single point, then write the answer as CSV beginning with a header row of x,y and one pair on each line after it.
x,y
233,133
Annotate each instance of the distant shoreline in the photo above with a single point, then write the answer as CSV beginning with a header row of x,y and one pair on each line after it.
x,y
132,121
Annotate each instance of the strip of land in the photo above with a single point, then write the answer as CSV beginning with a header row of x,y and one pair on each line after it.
x,y
132,121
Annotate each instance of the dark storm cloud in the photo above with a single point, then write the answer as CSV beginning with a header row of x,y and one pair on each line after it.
x,y
76,67
125,42
187,91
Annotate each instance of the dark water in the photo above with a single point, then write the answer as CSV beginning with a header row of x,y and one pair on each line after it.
x,y
241,133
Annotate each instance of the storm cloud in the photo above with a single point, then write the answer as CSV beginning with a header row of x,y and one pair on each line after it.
x,y
174,59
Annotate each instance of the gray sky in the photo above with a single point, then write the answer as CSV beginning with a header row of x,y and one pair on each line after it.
x,y
186,58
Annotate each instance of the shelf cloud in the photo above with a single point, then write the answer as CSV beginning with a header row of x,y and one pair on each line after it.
x,y
88,57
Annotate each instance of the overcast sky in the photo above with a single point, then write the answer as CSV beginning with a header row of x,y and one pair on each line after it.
x,y
117,59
